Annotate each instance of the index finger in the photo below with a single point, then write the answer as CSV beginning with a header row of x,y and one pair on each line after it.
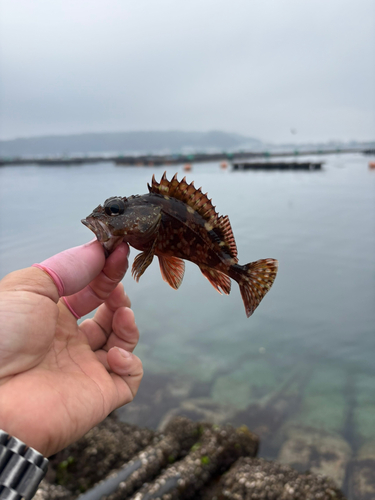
x,y
96,292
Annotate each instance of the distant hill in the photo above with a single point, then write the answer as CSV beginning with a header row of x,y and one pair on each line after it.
x,y
125,142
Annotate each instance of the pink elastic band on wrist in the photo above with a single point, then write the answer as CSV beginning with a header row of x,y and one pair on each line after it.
x,y
70,307
55,277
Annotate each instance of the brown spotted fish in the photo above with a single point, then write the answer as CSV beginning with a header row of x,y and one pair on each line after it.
x,y
176,221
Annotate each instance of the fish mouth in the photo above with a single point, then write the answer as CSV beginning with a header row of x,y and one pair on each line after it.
x,y
101,230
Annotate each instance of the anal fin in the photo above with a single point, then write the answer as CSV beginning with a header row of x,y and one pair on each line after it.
x,y
218,280
172,270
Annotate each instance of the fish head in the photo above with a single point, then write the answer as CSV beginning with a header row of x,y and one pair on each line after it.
x,y
124,219
108,221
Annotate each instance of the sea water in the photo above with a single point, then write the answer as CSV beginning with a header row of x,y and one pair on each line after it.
x,y
314,331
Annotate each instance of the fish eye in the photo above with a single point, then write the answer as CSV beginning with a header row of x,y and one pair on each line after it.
x,y
115,206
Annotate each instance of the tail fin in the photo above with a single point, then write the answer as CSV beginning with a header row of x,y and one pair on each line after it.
x,y
255,280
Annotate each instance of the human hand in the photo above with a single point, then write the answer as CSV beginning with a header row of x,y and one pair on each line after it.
x,y
58,379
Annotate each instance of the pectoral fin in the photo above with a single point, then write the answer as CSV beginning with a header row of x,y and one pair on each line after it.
x,y
172,270
141,263
144,259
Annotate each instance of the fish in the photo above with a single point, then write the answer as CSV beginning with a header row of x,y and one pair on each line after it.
x,y
177,222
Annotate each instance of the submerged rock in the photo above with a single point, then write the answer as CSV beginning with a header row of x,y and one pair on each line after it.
x,y
321,452
198,410
362,478
255,478
158,394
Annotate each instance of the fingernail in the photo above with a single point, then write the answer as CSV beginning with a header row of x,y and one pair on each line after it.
x,y
124,354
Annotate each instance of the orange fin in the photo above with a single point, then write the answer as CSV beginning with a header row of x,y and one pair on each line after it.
x,y
186,193
224,230
141,263
255,281
218,280
172,270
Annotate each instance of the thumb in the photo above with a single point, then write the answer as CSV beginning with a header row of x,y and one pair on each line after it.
x,y
63,274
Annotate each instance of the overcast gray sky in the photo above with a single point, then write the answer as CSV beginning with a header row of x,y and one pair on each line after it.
x,y
263,68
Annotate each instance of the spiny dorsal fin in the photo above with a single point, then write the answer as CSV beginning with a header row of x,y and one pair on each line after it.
x,y
224,230
186,193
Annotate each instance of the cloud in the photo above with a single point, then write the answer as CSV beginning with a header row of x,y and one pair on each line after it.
x,y
257,68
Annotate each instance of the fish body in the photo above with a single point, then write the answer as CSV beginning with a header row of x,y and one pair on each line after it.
x,y
177,222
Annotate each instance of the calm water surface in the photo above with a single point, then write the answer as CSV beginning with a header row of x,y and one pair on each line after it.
x,y
316,324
